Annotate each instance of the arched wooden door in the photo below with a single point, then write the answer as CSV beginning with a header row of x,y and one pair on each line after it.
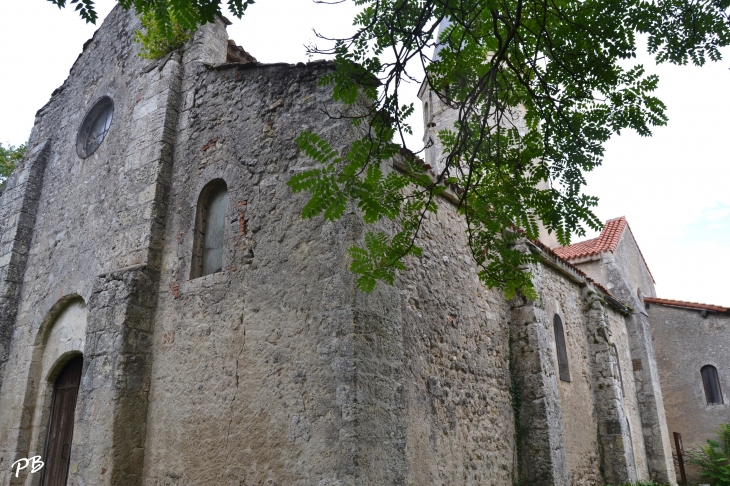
x,y
61,425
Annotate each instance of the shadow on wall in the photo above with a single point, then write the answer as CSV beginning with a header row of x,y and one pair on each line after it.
x,y
58,348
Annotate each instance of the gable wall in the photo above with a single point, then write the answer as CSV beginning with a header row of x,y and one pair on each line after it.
x,y
685,342
93,215
627,258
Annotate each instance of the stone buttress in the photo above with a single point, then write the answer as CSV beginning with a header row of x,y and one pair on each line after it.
x,y
275,369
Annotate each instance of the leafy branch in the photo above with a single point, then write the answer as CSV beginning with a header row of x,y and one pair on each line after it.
x,y
10,156
537,87
714,458
155,42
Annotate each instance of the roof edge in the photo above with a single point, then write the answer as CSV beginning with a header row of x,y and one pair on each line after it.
x,y
638,248
594,254
685,305
552,259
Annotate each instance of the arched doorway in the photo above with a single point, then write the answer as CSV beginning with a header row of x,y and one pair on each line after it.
x,y
61,423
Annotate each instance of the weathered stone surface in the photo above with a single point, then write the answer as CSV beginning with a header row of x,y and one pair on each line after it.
x,y
685,340
18,209
625,273
620,339
542,457
275,370
615,441
456,364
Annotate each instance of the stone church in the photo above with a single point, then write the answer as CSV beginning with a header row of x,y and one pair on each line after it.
x,y
167,317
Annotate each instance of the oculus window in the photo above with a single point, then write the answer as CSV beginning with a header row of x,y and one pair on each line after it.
x,y
711,382
209,229
95,127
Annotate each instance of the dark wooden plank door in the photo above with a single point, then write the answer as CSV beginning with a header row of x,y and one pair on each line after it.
x,y
61,426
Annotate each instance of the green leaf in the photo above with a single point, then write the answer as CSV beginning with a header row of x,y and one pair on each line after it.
x,y
535,90
10,157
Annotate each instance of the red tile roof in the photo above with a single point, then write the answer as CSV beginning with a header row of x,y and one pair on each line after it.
x,y
608,240
681,303
548,251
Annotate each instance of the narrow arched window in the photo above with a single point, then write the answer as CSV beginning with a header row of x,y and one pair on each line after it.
x,y
209,229
563,370
712,385
618,370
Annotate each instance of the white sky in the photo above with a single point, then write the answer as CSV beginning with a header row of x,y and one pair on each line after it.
x,y
674,188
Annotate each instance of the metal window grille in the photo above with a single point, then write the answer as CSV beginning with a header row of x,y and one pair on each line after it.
x,y
94,127
563,369
209,230
711,382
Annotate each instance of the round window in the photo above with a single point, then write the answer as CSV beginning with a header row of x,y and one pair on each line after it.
x,y
94,128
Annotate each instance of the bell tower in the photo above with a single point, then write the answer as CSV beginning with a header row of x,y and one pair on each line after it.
x,y
437,116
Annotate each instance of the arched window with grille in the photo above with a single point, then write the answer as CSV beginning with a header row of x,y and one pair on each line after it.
x,y
209,229
711,382
563,369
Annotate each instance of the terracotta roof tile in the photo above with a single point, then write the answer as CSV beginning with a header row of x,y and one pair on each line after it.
x,y
565,262
681,303
577,270
608,240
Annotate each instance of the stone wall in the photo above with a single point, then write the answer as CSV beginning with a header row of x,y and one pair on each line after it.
x,y
93,217
626,276
257,362
18,208
685,341
623,272
629,260
577,403
541,454
620,335
275,370
456,355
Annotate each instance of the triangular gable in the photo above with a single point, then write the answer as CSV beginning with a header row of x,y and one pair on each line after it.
x,y
607,241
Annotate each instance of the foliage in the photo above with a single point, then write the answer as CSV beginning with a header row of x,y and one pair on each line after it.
x,y
9,158
714,458
154,43
85,8
539,87
340,179
167,14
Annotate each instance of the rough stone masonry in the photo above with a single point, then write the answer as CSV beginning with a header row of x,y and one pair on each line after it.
x,y
275,370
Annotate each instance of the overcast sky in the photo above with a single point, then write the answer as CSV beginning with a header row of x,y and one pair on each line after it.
x,y
674,188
